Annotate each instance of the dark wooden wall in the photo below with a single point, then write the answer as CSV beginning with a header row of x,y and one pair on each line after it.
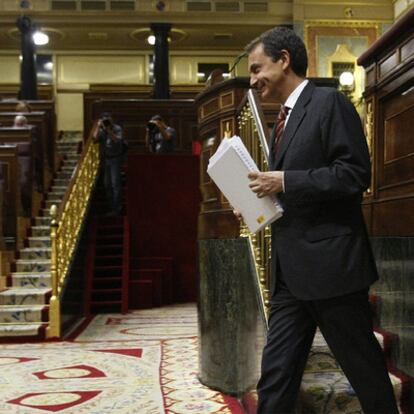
x,y
217,110
389,95
163,201
133,115
135,122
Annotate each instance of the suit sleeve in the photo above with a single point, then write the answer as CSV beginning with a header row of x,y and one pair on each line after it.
x,y
346,169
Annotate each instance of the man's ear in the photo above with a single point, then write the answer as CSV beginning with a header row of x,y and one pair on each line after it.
x,y
285,58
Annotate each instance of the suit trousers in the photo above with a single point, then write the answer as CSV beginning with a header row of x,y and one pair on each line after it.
x,y
346,324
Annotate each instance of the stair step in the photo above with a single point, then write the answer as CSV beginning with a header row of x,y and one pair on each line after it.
x,y
45,212
395,309
23,330
23,296
67,168
32,265
31,253
49,203
40,231
396,275
55,195
31,280
402,352
39,241
108,249
113,261
23,314
322,395
61,182
58,188
41,221
107,283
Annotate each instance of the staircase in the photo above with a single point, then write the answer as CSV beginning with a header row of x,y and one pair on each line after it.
x,y
325,389
24,309
108,259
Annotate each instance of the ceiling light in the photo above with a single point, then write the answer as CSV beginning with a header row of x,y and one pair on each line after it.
x,y
40,38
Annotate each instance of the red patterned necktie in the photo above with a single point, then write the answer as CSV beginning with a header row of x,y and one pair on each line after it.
x,y
280,126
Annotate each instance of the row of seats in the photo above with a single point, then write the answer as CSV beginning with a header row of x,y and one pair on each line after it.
x,y
27,163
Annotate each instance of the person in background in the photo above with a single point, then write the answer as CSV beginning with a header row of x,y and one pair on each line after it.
x,y
322,262
23,106
111,141
160,137
20,121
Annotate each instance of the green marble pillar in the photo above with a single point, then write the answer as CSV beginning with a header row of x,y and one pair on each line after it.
x,y
231,330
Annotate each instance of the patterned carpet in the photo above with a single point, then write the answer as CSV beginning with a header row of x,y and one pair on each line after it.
x,y
144,362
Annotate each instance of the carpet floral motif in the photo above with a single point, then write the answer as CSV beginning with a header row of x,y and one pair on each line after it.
x,y
108,370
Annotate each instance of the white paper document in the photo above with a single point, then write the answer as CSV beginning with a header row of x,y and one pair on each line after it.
x,y
228,168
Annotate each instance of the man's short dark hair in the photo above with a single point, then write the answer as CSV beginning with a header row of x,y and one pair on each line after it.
x,y
157,118
105,115
279,38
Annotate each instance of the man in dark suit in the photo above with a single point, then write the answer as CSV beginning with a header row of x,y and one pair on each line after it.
x,y
322,260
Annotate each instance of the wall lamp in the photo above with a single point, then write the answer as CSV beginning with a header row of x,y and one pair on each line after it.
x,y
347,82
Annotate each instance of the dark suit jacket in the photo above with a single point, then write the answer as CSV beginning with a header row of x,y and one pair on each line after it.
x,y
321,241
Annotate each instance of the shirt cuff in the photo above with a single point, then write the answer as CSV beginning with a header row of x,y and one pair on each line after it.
x,y
283,181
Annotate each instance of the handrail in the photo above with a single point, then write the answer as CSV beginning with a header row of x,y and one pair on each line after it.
x,y
66,224
255,135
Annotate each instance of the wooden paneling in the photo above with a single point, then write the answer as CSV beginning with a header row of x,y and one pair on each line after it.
x,y
394,217
217,113
11,91
133,115
390,96
100,92
11,203
407,49
33,157
388,64
44,133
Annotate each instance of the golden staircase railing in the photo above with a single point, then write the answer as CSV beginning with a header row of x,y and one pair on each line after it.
x,y
254,133
66,225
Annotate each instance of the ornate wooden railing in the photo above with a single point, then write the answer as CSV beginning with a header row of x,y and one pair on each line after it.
x,y
254,133
66,227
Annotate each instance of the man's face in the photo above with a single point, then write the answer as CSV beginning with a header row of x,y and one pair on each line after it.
x,y
266,76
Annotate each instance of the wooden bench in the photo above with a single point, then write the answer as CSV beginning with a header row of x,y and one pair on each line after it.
x,y
41,120
12,200
35,179
47,106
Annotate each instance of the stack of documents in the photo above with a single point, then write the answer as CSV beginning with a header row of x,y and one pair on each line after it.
x,y
229,168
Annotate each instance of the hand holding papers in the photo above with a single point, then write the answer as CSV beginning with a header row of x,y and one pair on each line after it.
x,y
229,168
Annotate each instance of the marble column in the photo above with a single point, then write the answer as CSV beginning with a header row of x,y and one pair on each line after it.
x,y
161,60
28,77
231,329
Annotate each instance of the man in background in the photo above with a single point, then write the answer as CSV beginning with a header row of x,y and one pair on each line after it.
x,y
160,137
111,141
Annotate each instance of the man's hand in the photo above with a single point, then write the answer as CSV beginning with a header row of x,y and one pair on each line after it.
x,y
266,183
